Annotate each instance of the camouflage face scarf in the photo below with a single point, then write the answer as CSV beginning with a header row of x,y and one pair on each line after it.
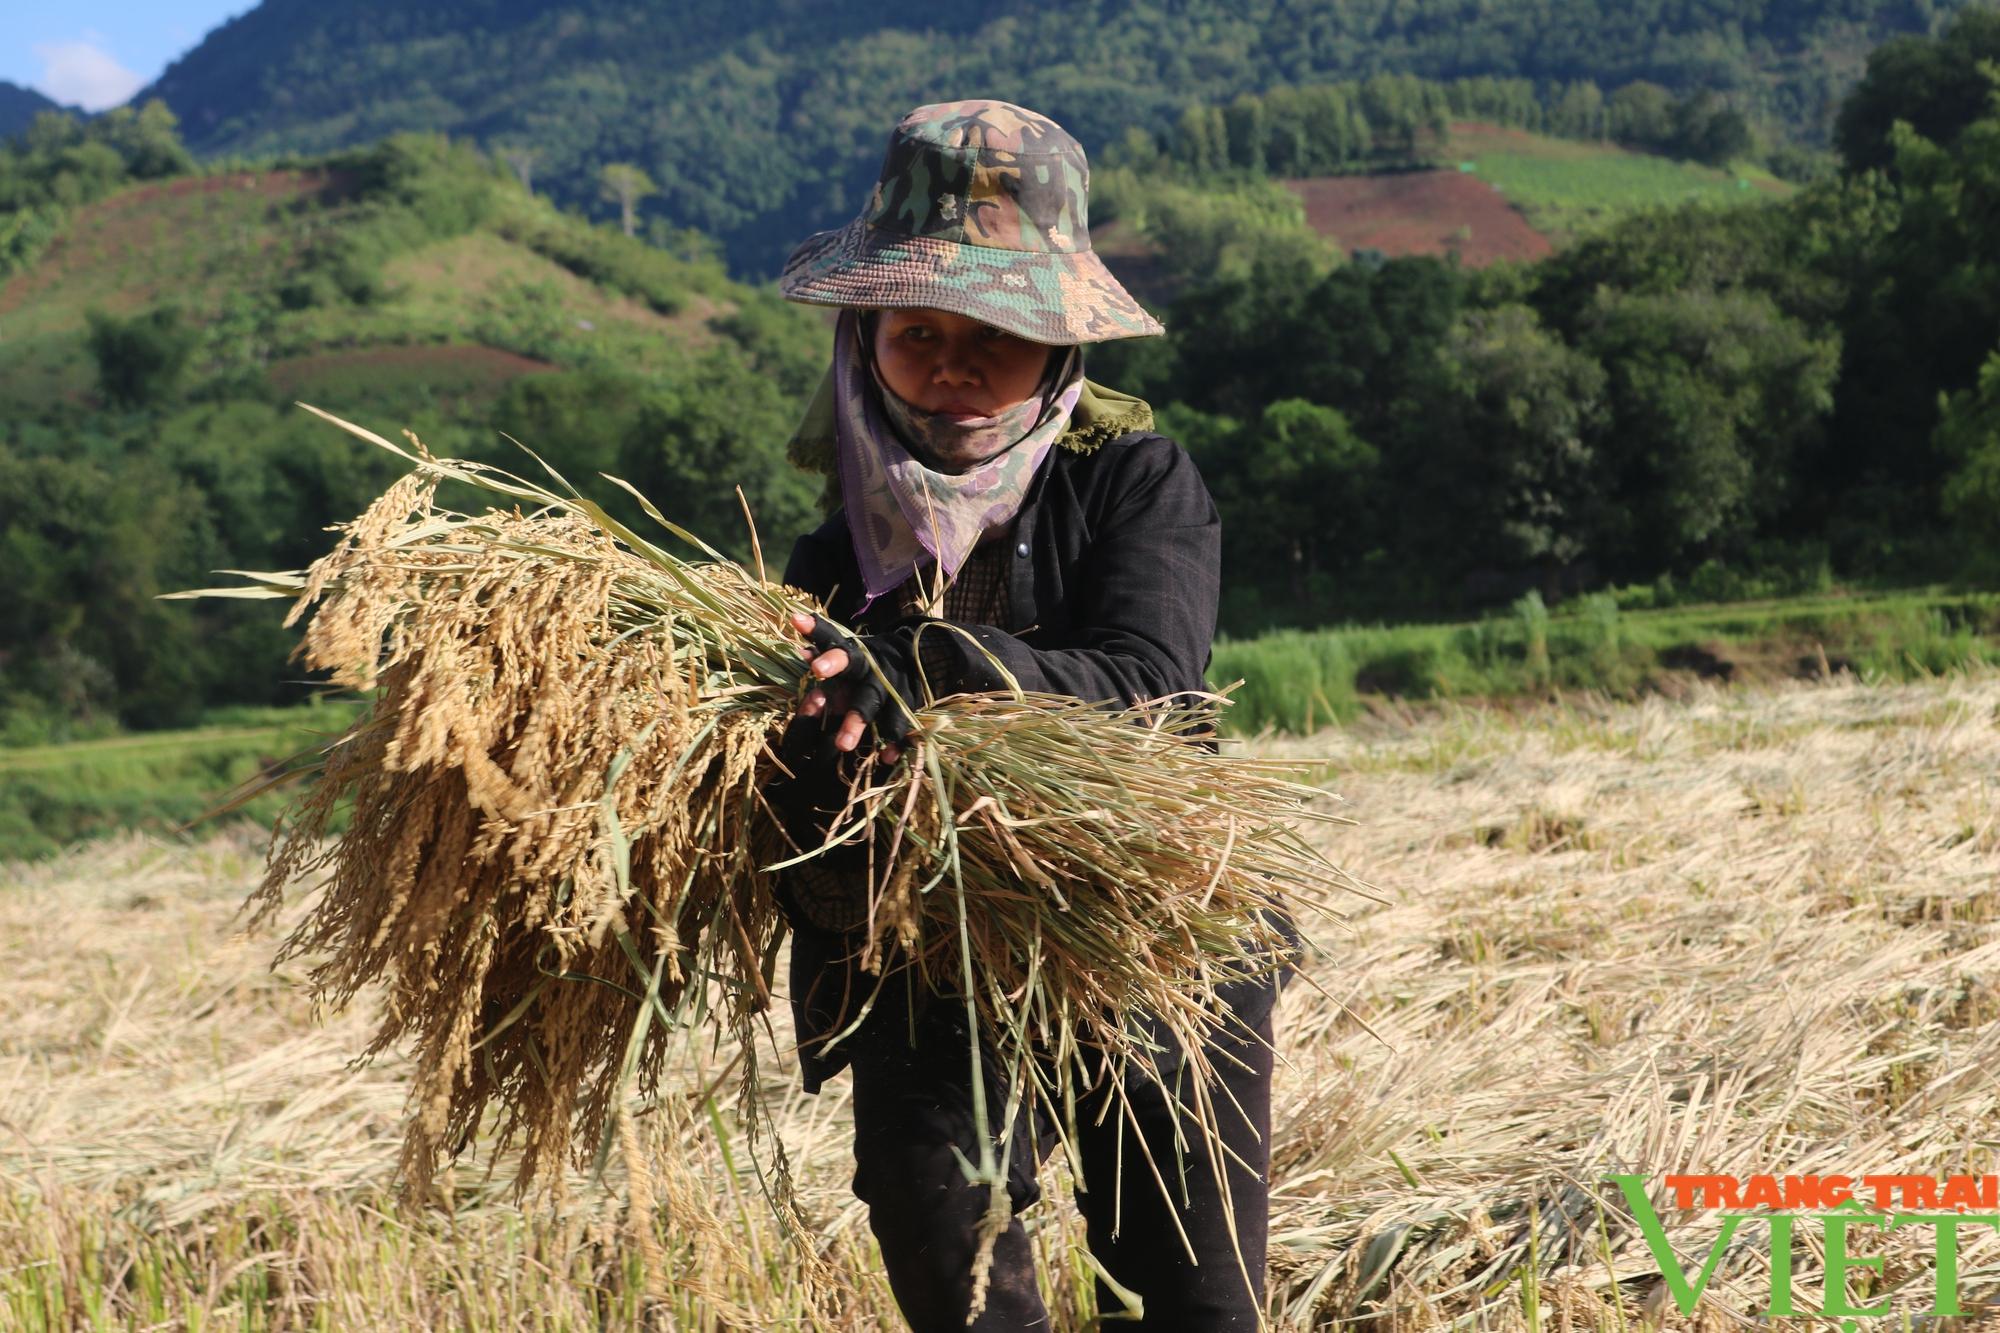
x,y
903,512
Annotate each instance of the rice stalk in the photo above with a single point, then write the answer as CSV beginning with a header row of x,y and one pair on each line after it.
x,y
556,861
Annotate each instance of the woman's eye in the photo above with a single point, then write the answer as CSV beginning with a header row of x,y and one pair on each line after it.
x,y
1000,342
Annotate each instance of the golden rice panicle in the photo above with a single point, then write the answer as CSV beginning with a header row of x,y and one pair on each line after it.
x,y
476,863
349,643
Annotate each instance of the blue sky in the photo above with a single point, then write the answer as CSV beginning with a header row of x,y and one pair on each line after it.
x,y
97,53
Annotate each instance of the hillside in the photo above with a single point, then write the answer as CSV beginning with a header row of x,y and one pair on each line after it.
x,y
763,119
408,266
1512,195
19,106
240,247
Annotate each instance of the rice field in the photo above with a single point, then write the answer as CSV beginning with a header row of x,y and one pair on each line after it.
x,y
1566,188
1746,930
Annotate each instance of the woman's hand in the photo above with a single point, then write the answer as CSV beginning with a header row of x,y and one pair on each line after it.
x,y
843,679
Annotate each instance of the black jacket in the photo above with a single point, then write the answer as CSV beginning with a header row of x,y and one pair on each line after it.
x,y
1112,598
1114,583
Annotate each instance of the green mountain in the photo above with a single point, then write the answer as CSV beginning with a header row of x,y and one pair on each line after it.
x,y
19,106
761,119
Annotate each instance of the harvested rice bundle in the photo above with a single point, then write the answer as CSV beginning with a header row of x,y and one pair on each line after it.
x,y
555,798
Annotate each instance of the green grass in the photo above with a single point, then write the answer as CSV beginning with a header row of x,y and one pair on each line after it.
x,y
1297,681
1567,187
1566,196
53,795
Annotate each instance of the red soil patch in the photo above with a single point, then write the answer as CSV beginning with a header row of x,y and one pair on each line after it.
x,y
458,364
271,184
1420,213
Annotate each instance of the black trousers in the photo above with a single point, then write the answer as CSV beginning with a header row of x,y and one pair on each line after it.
x,y
913,1107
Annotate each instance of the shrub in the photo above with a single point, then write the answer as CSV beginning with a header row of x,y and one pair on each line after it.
x,y
1533,617
1411,669
140,361
1292,681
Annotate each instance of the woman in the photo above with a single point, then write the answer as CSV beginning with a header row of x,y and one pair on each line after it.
x,y
976,477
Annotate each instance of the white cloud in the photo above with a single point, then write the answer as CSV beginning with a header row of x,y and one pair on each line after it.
x,y
82,73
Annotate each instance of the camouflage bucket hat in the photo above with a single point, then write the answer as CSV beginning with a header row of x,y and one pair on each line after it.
x,y
980,210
